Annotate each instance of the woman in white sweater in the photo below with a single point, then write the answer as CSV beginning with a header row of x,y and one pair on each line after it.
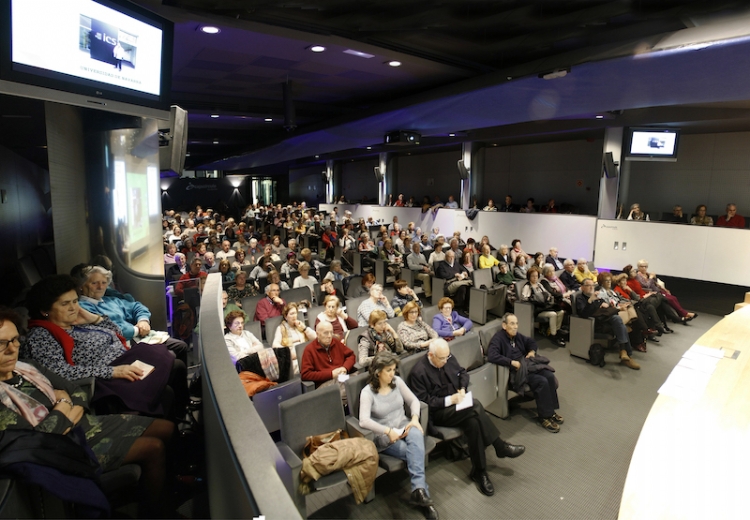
x,y
240,342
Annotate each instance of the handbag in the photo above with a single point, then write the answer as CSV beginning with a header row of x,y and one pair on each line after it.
x,y
628,315
313,442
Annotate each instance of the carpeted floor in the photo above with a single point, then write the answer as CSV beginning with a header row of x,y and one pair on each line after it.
x,y
578,473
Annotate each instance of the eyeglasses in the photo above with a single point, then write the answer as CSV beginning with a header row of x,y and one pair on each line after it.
x,y
443,359
5,343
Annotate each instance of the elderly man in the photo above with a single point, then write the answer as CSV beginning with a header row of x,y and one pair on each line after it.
x,y
567,276
510,349
254,251
731,219
451,204
677,216
456,278
422,271
226,252
270,306
590,305
582,272
508,206
326,357
190,279
209,263
553,259
438,380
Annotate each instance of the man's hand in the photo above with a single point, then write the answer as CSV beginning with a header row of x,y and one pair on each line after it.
x,y
338,371
515,364
531,354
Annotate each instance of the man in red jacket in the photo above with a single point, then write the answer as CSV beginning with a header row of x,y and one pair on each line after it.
x,y
269,306
325,358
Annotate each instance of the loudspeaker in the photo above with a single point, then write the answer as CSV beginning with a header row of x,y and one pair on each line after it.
x,y
173,141
324,176
610,168
379,176
463,171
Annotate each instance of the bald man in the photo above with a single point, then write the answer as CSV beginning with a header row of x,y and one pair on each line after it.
x,y
326,357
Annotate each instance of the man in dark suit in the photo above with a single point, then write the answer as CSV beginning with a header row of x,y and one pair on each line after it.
x,y
438,380
457,280
508,206
567,277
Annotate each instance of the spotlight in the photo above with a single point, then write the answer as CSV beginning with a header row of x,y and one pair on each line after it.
x,y
214,116
317,48
268,119
599,116
210,29
394,63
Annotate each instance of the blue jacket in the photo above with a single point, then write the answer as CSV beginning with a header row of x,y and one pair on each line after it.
x,y
445,330
124,313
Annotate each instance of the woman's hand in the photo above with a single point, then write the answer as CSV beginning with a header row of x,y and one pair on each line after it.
x,y
415,423
144,327
459,332
86,318
127,372
392,435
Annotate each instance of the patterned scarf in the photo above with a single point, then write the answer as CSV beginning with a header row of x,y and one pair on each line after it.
x,y
27,407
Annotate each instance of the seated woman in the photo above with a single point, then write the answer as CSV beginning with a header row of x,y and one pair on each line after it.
x,y
169,255
449,324
486,260
376,301
275,277
394,260
538,261
644,307
381,410
336,271
276,246
660,304
305,280
327,289
520,269
130,316
503,254
648,282
335,315
225,268
380,336
292,331
241,289
471,246
467,260
404,294
638,327
290,266
700,218
35,398
517,250
544,305
415,334
556,288
240,260
75,343
363,289
240,342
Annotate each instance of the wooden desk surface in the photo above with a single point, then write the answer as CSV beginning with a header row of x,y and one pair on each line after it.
x,y
692,459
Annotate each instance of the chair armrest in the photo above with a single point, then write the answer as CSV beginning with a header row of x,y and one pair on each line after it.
x,y
354,429
308,386
292,459
424,415
88,384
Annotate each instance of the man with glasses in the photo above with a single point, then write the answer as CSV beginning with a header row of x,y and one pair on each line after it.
x,y
438,380
270,306
590,305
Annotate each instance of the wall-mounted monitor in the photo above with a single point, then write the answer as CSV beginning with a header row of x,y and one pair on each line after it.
x,y
652,144
104,49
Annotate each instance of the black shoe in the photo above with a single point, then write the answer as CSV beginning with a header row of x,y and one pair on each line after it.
x,y
419,497
559,341
653,338
430,513
668,330
510,450
483,482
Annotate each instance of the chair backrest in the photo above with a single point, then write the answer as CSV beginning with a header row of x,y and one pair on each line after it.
x,y
254,328
295,295
428,313
312,313
486,332
352,305
250,303
299,349
518,286
192,297
248,269
467,351
573,299
407,364
267,402
395,322
352,338
272,324
354,283
353,387
482,278
311,413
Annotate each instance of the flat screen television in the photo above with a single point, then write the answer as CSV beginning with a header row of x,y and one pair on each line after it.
x,y
104,49
652,144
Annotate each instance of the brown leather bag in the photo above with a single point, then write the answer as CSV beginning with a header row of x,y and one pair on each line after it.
x,y
313,442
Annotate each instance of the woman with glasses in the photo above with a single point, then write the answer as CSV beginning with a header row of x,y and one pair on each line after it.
x,y
415,334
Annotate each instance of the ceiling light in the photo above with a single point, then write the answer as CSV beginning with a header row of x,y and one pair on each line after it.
x,y
216,141
317,156
210,29
269,119
599,116
559,73
317,48
358,53
369,147
394,63
452,135
214,115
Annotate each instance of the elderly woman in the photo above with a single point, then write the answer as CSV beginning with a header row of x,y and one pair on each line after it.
x,y
75,343
292,331
467,260
638,328
327,289
556,288
700,218
240,342
376,301
381,410
363,289
337,272
393,258
449,324
380,336
240,260
520,269
169,255
415,334
35,398
241,289
648,282
275,277
503,254
637,214
544,304
305,280
644,307
517,250
335,315
225,268
130,316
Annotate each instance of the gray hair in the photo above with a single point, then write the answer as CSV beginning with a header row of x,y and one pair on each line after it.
x,y
547,268
435,344
568,261
375,286
506,317
95,269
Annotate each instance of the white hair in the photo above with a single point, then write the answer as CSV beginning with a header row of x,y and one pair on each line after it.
x,y
435,344
96,269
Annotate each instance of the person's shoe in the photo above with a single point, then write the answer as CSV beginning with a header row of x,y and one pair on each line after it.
x,y
559,341
483,482
430,513
640,347
548,424
661,331
510,450
419,497
653,338
694,315
667,329
557,418
625,360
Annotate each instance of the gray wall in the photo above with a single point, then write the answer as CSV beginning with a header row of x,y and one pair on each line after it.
x,y
568,171
358,180
306,184
711,169
428,174
25,218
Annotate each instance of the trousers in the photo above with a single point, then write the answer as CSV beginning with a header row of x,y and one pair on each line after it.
x,y
544,386
410,449
476,425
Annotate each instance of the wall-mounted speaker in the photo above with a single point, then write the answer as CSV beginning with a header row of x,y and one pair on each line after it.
x,y
173,141
463,171
379,176
610,168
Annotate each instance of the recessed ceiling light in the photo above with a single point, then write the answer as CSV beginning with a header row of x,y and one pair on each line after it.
x,y
358,53
600,117
187,154
210,29
317,156
394,63
216,141
269,119
369,147
214,115
452,135
317,48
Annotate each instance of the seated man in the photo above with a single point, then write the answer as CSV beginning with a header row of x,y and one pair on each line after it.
x,y
417,263
190,279
457,280
677,216
226,253
269,306
731,219
451,204
209,263
553,259
326,358
438,380
567,277
582,272
511,349
590,305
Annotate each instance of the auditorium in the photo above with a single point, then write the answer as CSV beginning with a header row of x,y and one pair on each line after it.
x,y
238,227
